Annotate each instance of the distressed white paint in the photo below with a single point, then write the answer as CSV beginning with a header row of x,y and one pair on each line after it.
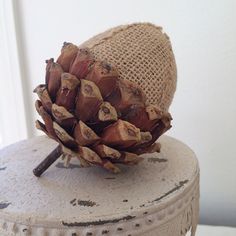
x,y
152,198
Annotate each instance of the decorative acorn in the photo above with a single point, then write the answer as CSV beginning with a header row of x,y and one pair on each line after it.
x,y
94,114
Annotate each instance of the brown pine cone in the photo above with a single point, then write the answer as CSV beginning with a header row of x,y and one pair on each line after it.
x,y
94,115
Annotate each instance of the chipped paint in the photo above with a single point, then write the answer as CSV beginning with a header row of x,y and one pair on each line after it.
x,y
73,202
99,222
105,231
110,178
3,168
156,159
87,203
4,205
178,186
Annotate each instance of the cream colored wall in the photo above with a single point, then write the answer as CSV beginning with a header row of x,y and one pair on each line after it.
x,y
203,35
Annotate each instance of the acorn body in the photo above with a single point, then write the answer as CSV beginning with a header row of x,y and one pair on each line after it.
x,y
97,107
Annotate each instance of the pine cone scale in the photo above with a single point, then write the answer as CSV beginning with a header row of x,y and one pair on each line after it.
x,y
68,54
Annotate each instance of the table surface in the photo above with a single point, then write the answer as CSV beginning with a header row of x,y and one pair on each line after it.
x,y
77,196
205,230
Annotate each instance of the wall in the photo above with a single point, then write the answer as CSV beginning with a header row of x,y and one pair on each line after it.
x,y
203,35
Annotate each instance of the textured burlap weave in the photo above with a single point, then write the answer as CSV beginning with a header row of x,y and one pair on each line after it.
x,y
142,53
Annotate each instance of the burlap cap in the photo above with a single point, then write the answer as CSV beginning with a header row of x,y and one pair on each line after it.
x,y
142,53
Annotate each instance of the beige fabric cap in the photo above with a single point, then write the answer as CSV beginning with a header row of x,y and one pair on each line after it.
x,y
142,53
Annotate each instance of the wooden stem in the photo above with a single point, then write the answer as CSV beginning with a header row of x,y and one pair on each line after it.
x,y
48,161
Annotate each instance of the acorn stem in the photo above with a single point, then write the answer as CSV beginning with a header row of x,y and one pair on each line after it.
x,y
48,161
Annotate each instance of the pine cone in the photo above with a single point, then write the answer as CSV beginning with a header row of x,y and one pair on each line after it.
x,y
94,115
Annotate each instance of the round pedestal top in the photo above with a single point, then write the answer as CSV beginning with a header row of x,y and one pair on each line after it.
x,y
90,198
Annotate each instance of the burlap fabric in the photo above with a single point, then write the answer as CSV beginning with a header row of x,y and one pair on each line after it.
x,y
142,53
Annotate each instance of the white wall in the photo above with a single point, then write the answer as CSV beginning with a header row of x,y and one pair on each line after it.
x,y
203,35
13,119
